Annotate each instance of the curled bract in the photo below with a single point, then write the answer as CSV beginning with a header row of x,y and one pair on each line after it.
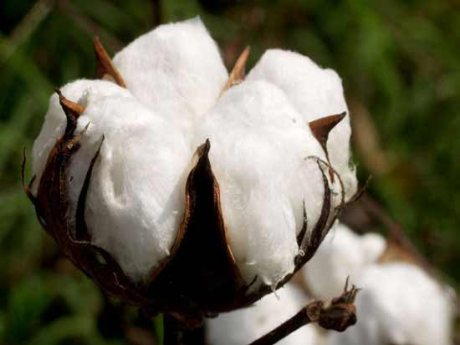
x,y
185,189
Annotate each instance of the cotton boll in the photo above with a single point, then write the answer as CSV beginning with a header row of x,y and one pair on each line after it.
x,y
55,120
258,153
342,253
175,69
135,201
316,93
399,304
246,325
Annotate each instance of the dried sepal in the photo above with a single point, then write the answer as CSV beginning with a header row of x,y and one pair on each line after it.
x,y
302,233
201,272
238,72
72,112
323,126
309,247
104,65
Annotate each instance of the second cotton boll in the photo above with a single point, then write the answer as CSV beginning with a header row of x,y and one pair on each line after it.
x,y
400,305
398,302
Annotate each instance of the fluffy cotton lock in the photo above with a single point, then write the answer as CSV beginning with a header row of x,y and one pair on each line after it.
x,y
315,92
175,69
55,121
259,150
342,254
135,200
246,325
399,304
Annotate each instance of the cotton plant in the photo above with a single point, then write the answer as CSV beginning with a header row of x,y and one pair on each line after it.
x,y
184,188
398,303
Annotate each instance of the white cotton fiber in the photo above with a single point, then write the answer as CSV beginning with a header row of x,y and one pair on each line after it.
x,y
55,120
135,202
176,70
258,150
399,304
342,253
246,325
315,93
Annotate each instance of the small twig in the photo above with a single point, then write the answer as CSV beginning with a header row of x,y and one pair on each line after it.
x,y
338,316
395,230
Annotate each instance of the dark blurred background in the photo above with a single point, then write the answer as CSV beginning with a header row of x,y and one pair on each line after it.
x,y
399,61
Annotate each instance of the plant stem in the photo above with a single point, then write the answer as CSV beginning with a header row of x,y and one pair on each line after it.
x,y
298,320
171,330
338,315
176,333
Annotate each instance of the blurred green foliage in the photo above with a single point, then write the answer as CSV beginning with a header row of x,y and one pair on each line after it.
x,y
399,61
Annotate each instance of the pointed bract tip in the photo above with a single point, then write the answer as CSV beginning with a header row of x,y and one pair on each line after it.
x,y
323,126
204,148
70,108
104,65
238,72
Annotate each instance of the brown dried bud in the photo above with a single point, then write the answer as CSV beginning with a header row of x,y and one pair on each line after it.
x,y
341,313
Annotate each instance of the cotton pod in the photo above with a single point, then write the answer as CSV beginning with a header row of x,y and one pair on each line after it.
x,y
183,188
246,325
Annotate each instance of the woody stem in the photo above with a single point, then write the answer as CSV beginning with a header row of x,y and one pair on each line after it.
x,y
175,333
300,319
338,315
